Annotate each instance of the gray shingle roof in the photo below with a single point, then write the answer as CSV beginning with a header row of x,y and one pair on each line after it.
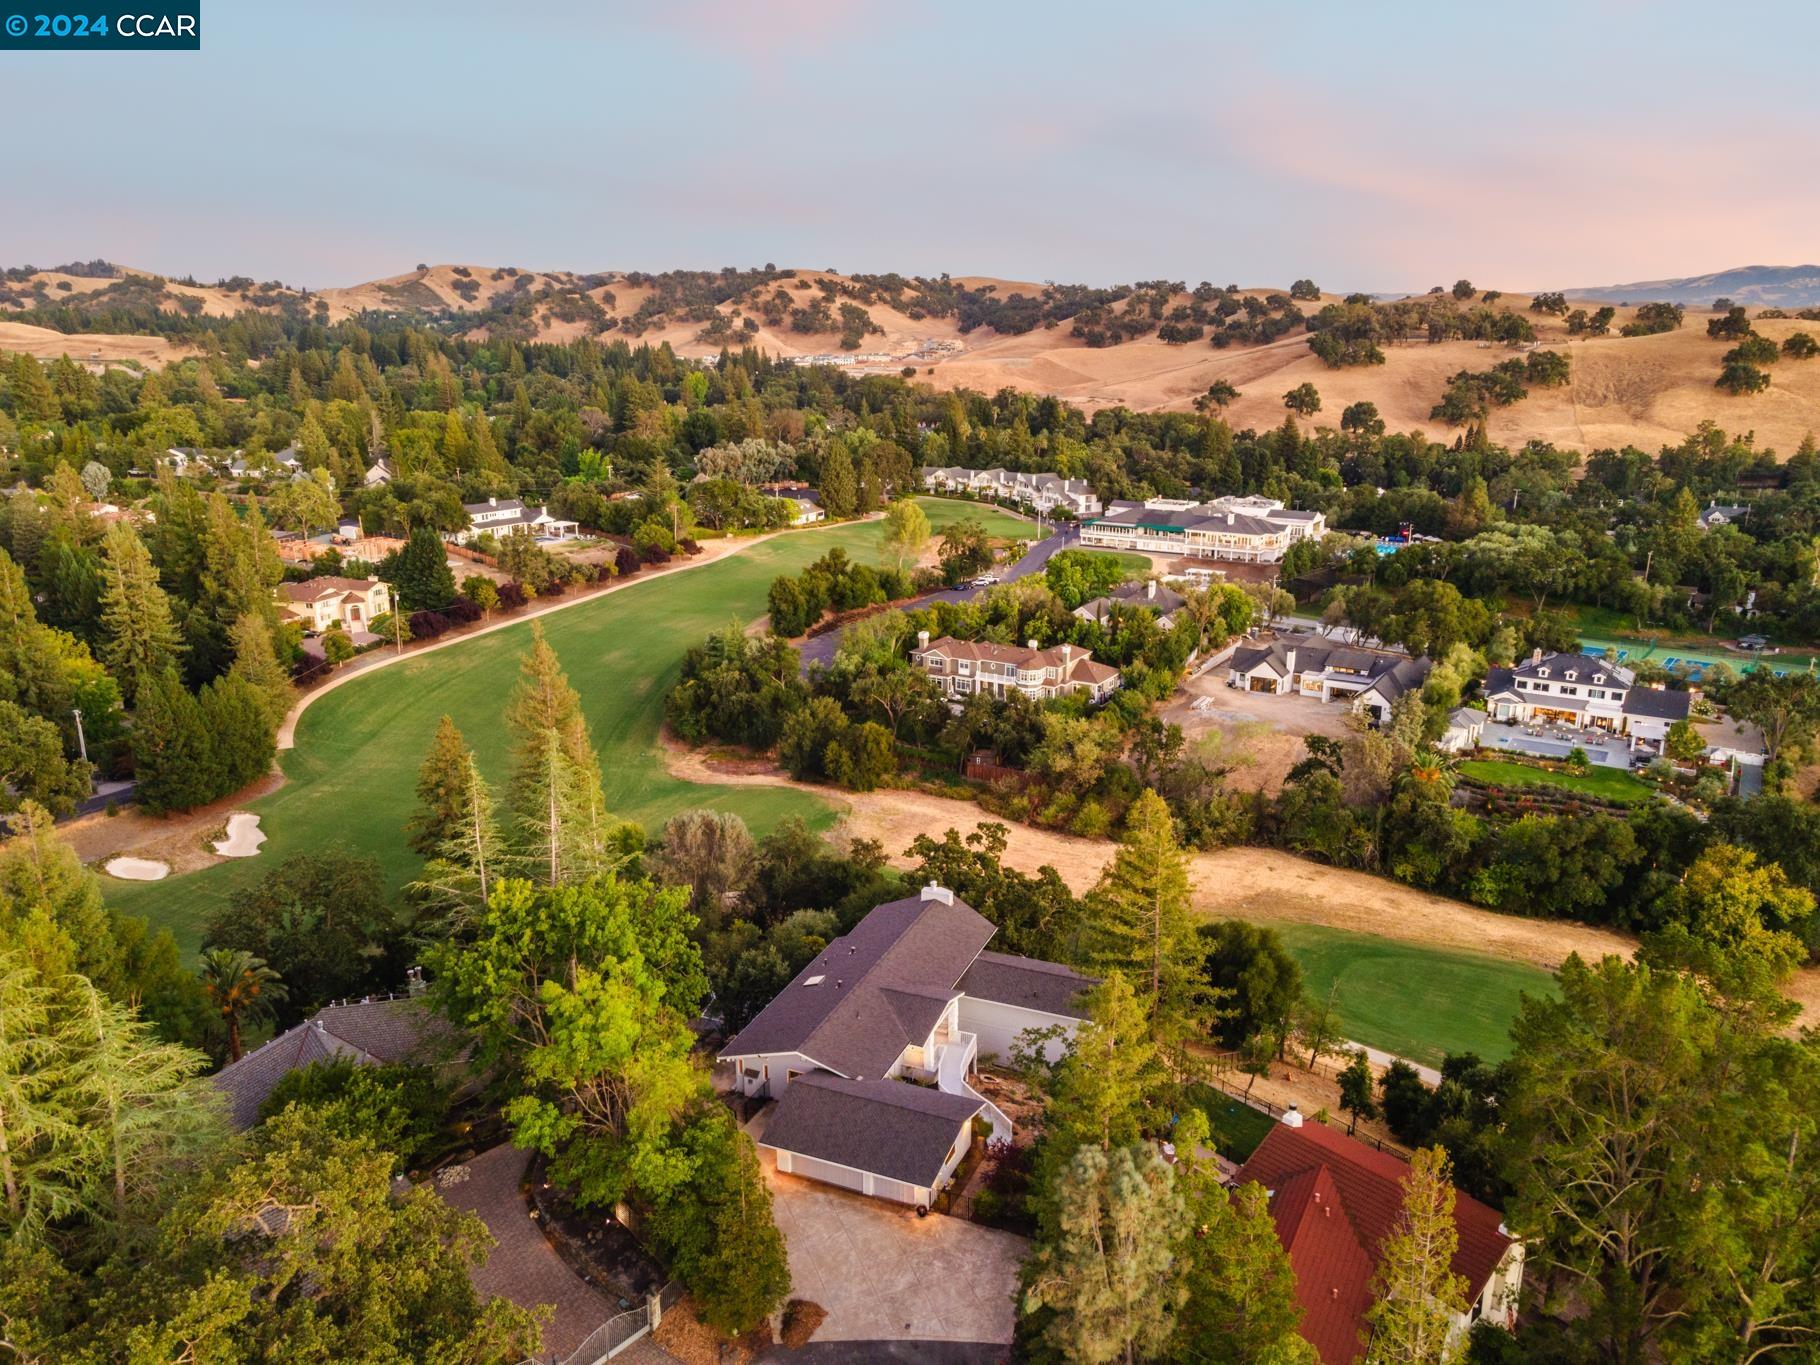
x,y
368,1033
890,1128
1027,982
1657,703
880,988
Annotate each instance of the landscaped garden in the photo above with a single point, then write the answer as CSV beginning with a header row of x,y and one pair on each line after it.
x,y
1596,783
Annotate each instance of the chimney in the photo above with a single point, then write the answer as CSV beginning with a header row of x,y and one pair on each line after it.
x,y
1030,644
492,502
1231,519
1150,588
922,639
1292,1117
932,892
1535,655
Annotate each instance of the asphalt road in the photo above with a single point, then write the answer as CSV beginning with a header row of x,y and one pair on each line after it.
x,y
820,649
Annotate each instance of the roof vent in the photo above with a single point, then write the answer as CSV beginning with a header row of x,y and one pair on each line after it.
x,y
932,892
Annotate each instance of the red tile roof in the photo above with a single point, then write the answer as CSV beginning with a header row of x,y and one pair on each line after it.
x,y
1312,1169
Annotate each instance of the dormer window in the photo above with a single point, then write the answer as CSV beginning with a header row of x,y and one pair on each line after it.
x,y
1571,674
1541,672
1598,677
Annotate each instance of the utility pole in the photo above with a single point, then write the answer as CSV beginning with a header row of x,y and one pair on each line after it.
x,y
82,747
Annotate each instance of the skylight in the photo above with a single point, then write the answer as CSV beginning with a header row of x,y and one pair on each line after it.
x,y
815,980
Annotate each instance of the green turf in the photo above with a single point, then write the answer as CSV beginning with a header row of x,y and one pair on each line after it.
x,y
1607,628
350,778
1236,1128
1411,1000
1604,784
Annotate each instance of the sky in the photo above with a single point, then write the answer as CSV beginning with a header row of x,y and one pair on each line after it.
x,y
1381,146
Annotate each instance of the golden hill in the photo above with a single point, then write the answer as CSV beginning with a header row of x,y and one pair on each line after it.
x,y
1644,391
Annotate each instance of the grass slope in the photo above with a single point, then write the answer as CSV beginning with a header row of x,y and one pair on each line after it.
x,y
1415,1001
350,779
1604,784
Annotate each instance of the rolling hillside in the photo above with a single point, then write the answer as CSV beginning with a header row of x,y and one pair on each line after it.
x,y
1768,286
984,334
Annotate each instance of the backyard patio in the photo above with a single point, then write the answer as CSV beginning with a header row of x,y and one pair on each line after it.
x,y
1602,749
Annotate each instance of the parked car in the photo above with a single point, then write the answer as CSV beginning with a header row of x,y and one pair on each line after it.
x,y
985,580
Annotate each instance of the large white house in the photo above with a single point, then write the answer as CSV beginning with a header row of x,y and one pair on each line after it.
x,y
1579,690
1309,666
1044,492
510,517
962,667
1244,529
868,1052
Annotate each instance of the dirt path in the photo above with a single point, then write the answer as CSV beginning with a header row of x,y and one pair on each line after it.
x,y
1251,883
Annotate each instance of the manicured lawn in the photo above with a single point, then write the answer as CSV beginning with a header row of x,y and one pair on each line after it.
x,y
1604,784
1415,1001
999,524
351,777
1236,1127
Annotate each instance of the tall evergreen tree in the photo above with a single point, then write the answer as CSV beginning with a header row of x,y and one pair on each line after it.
x,y
256,661
560,822
30,393
236,716
1418,1296
139,638
420,574
442,791
31,672
1241,1306
839,484
146,1115
39,1128
1100,1280
173,754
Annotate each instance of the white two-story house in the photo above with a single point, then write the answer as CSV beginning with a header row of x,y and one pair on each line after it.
x,y
510,517
870,1050
321,603
1582,691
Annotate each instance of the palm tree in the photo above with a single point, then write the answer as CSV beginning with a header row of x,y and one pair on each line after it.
x,y
242,988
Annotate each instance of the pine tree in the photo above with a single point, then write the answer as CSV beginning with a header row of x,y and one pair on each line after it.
x,y
1418,1295
31,672
1106,1088
256,661
38,1127
173,754
1144,928
421,574
145,1113
461,874
442,791
237,718
32,398
1241,1304
139,639
1102,1276
559,813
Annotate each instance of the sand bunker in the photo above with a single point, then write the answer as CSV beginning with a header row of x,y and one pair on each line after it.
x,y
137,869
243,837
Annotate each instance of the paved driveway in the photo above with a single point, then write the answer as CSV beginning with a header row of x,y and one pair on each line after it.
x,y
524,1267
884,1274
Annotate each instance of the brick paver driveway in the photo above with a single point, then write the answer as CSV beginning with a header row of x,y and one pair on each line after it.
x,y
884,1274
523,1267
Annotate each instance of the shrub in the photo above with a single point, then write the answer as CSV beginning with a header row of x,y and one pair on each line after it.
x,y
801,1318
511,597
